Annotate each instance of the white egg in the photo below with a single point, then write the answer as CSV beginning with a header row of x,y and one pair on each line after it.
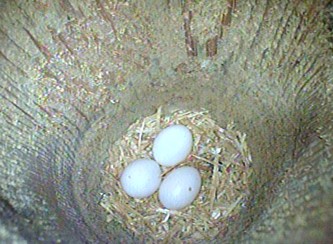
x,y
172,145
180,188
141,178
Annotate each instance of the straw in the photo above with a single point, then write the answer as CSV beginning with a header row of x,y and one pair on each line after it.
x,y
220,154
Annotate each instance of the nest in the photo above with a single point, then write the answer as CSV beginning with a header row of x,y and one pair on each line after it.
x,y
222,158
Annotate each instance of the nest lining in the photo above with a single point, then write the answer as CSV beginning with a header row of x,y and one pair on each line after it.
x,y
222,158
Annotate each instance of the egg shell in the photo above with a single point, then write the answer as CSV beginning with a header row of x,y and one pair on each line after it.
x,y
180,187
172,145
141,178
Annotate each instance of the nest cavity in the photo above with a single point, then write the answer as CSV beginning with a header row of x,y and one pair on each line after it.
x,y
220,154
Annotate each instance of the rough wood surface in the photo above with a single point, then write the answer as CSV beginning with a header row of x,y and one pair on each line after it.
x,y
75,74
